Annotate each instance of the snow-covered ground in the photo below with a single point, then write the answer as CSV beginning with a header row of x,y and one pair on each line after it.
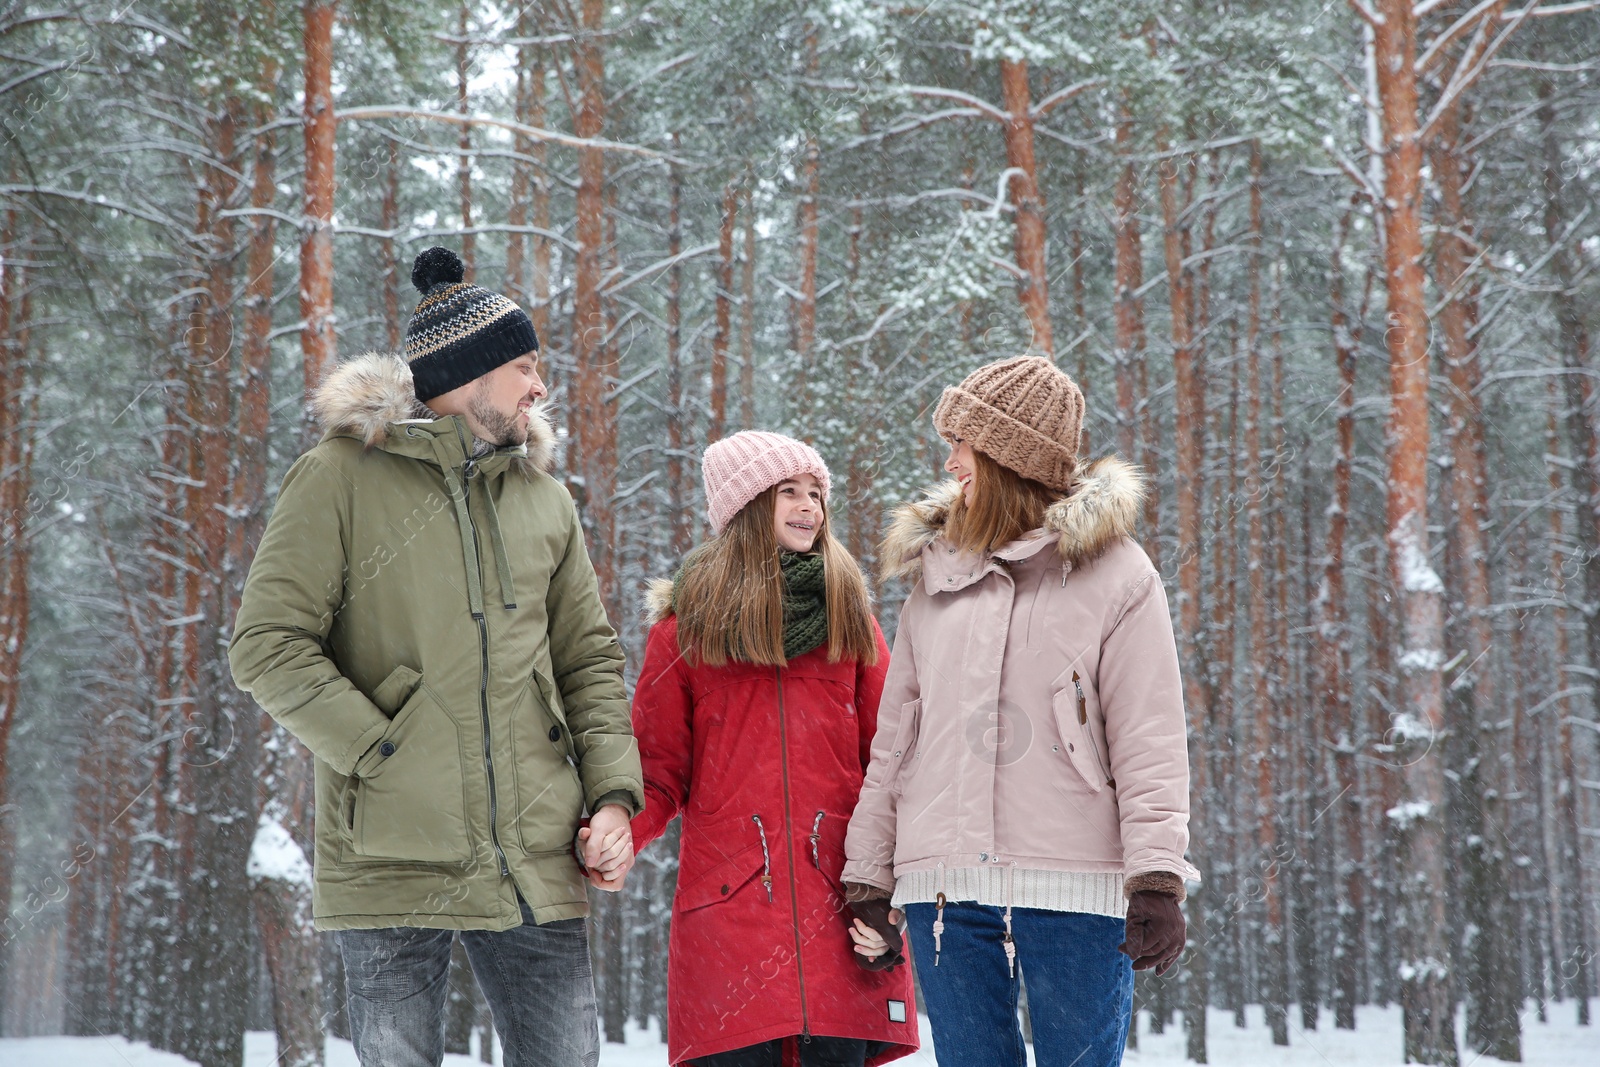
x,y
1374,1043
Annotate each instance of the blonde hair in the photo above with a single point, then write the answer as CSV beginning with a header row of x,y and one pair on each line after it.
x,y
1005,506
729,601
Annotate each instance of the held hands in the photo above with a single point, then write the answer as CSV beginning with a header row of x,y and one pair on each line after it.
x,y
1156,932
875,929
605,847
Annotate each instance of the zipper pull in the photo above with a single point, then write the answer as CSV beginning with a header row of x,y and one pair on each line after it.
x,y
816,836
1083,711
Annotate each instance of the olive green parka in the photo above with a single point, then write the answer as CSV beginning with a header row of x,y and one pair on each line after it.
x,y
430,627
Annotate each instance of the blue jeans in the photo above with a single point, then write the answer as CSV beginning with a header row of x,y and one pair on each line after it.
x,y
536,979
1080,988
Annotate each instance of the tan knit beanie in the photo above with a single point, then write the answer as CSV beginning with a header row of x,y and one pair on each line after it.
x,y
1023,413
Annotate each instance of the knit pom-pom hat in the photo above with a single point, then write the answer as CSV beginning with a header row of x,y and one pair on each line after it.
x,y
1023,413
740,468
459,332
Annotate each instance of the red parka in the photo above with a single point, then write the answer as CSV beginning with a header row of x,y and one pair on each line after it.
x,y
765,764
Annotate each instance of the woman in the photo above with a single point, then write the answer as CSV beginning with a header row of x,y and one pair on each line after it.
x,y
754,713
1028,787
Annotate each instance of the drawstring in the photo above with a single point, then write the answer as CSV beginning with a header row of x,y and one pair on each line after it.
x,y
469,551
938,918
816,835
460,486
507,596
766,858
1011,946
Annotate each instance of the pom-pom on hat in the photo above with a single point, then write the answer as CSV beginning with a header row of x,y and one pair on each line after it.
x,y
740,468
459,332
1023,413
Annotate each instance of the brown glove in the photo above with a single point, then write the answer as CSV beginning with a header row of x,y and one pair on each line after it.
x,y
875,913
1156,932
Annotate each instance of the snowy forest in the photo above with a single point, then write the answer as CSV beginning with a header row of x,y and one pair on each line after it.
x,y
1328,270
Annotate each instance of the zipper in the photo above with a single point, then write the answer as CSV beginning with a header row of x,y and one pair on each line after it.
x,y
788,822
483,670
1083,720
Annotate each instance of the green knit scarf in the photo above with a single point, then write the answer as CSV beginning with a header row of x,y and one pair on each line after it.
x,y
805,603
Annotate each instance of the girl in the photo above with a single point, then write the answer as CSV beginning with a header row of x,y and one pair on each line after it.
x,y
1029,782
754,713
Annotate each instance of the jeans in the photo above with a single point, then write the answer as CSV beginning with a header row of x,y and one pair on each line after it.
x,y
536,979
1080,988
818,1052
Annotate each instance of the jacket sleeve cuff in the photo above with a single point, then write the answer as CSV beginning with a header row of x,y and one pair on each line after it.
x,y
1155,882
620,797
618,789
856,892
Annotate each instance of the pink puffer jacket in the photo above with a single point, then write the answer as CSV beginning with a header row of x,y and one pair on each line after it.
x,y
1032,717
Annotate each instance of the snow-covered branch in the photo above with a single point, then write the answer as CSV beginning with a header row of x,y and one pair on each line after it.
x,y
356,114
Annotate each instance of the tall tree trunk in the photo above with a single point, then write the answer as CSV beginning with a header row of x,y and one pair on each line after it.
x,y
805,305
539,291
1582,414
747,326
469,240
1128,278
722,337
17,431
1189,429
593,414
389,223
1419,721
282,906
1333,651
217,751
680,487
1274,976
1033,284
317,340
1493,1026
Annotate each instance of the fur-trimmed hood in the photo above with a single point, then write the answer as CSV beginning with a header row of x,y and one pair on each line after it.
x,y
364,396
1101,508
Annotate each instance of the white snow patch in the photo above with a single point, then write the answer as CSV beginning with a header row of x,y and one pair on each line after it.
x,y
275,857
1415,573
1421,659
1403,815
1377,1041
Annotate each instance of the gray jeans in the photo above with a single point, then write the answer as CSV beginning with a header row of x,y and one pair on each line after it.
x,y
536,979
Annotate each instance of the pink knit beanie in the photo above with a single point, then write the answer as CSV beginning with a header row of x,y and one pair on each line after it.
x,y
740,468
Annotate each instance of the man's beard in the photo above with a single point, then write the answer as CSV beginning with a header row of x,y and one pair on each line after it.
x,y
503,430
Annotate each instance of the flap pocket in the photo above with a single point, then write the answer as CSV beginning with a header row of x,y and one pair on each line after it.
x,y
1070,705
555,711
395,690
905,745
722,879
410,798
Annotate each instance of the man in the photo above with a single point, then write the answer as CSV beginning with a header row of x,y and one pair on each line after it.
x,y
423,615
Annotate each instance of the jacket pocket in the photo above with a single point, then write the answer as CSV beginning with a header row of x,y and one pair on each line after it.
x,y
708,876
549,790
1075,724
904,752
410,791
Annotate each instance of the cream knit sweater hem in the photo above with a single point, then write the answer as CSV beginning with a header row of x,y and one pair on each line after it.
x,y
1092,894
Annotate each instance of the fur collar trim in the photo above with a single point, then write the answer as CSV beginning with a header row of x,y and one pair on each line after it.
x,y
1102,508
363,396
658,599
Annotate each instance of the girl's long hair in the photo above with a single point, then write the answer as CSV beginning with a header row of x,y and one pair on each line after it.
x,y
729,601
1005,506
